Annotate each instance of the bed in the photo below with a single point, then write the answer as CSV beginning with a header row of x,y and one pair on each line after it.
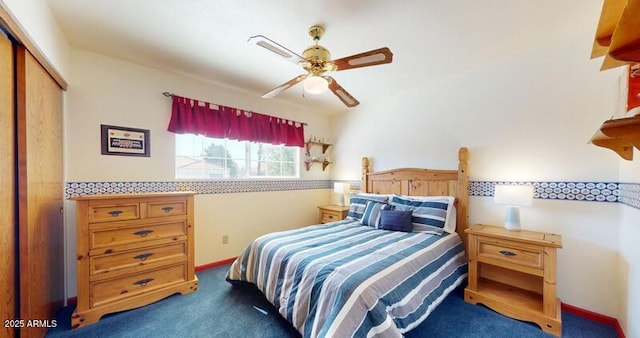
x,y
359,277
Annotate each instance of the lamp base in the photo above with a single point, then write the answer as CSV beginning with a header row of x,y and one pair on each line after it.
x,y
512,220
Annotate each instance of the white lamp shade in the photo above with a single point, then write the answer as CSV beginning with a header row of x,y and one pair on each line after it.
x,y
341,188
513,194
315,85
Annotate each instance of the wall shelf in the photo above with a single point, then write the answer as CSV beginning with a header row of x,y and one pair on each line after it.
x,y
621,147
309,163
618,33
311,160
324,146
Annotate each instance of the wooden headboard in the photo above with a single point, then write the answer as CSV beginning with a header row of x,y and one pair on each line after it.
x,y
424,182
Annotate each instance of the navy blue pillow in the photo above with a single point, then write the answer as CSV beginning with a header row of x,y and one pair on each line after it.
x,y
396,220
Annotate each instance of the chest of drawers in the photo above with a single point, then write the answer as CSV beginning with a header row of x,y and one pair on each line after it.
x,y
132,250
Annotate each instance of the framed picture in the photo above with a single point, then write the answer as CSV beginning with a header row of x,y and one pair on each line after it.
x,y
124,141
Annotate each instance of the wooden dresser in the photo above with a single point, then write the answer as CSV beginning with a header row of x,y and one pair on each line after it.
x,y
514,273
132,250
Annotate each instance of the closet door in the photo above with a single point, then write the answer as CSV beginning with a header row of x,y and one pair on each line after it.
x,y
8,190
40,192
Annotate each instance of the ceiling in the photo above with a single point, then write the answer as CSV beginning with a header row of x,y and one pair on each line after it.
x,y
430,39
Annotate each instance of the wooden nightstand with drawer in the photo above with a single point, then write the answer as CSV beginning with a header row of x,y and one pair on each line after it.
x,y
514,273
132,250
332,213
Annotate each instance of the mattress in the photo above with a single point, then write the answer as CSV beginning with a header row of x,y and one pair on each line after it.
x,y
344,279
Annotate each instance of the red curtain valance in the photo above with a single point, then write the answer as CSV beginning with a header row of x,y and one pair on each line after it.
x,y
190,116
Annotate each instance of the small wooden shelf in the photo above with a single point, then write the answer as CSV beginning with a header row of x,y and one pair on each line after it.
x,y
619,135
311,162
617,37
621,147
521,299
324,146
625,41
627,129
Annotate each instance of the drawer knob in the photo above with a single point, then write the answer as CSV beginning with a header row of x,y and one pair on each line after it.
x,y
115,213
143,256
143,282
331,216
167,209
507,253
143,233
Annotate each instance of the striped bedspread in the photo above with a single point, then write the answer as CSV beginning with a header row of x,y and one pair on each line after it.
x,y
344,279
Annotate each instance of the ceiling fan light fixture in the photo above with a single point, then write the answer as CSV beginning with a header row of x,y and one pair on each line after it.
x,y
315,85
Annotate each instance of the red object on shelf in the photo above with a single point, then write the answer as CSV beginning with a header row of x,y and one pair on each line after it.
x,y
633,97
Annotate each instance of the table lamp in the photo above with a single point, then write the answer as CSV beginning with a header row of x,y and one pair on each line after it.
x,y
341,188
513,196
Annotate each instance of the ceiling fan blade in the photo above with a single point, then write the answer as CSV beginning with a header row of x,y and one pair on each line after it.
x,y
342,94
370,58
276,48
279,89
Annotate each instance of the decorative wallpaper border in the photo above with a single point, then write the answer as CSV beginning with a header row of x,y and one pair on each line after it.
x,y
73,189
609,192
569,191
630,194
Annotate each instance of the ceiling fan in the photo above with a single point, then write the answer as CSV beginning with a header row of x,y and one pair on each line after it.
x,y
316,60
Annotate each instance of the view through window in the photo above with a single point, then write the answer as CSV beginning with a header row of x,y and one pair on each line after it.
x,y
199,157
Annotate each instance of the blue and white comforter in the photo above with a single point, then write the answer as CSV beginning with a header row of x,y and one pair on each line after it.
x,y
344,279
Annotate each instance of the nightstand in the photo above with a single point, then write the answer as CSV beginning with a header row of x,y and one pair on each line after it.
x,y
514,273
332,213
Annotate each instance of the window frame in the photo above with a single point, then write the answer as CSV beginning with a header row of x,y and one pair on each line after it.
x,y
247,158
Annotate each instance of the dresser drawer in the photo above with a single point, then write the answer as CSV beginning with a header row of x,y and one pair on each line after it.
x,y
330,217
125,287
104,264
113,213
100,238
171,208
505,251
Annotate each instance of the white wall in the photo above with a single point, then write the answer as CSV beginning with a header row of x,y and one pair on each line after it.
x,y
526,118
629,262
105,90
36,19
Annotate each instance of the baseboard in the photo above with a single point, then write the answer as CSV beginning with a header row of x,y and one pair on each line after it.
x,y
596,317
215,264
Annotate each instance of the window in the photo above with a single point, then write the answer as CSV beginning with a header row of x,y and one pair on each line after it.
x,y
199,157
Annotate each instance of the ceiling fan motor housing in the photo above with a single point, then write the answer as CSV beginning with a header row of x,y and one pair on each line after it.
x,y
316,53
318,60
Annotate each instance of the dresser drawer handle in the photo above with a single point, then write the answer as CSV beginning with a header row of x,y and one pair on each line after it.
x,y
331,216
144,256
167,209
143,233
507,253
143,282
115,213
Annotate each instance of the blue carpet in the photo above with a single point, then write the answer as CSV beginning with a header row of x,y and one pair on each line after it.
x,y
218,309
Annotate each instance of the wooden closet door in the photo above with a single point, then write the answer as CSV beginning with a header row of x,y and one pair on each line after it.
x,y
8,190
40,192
